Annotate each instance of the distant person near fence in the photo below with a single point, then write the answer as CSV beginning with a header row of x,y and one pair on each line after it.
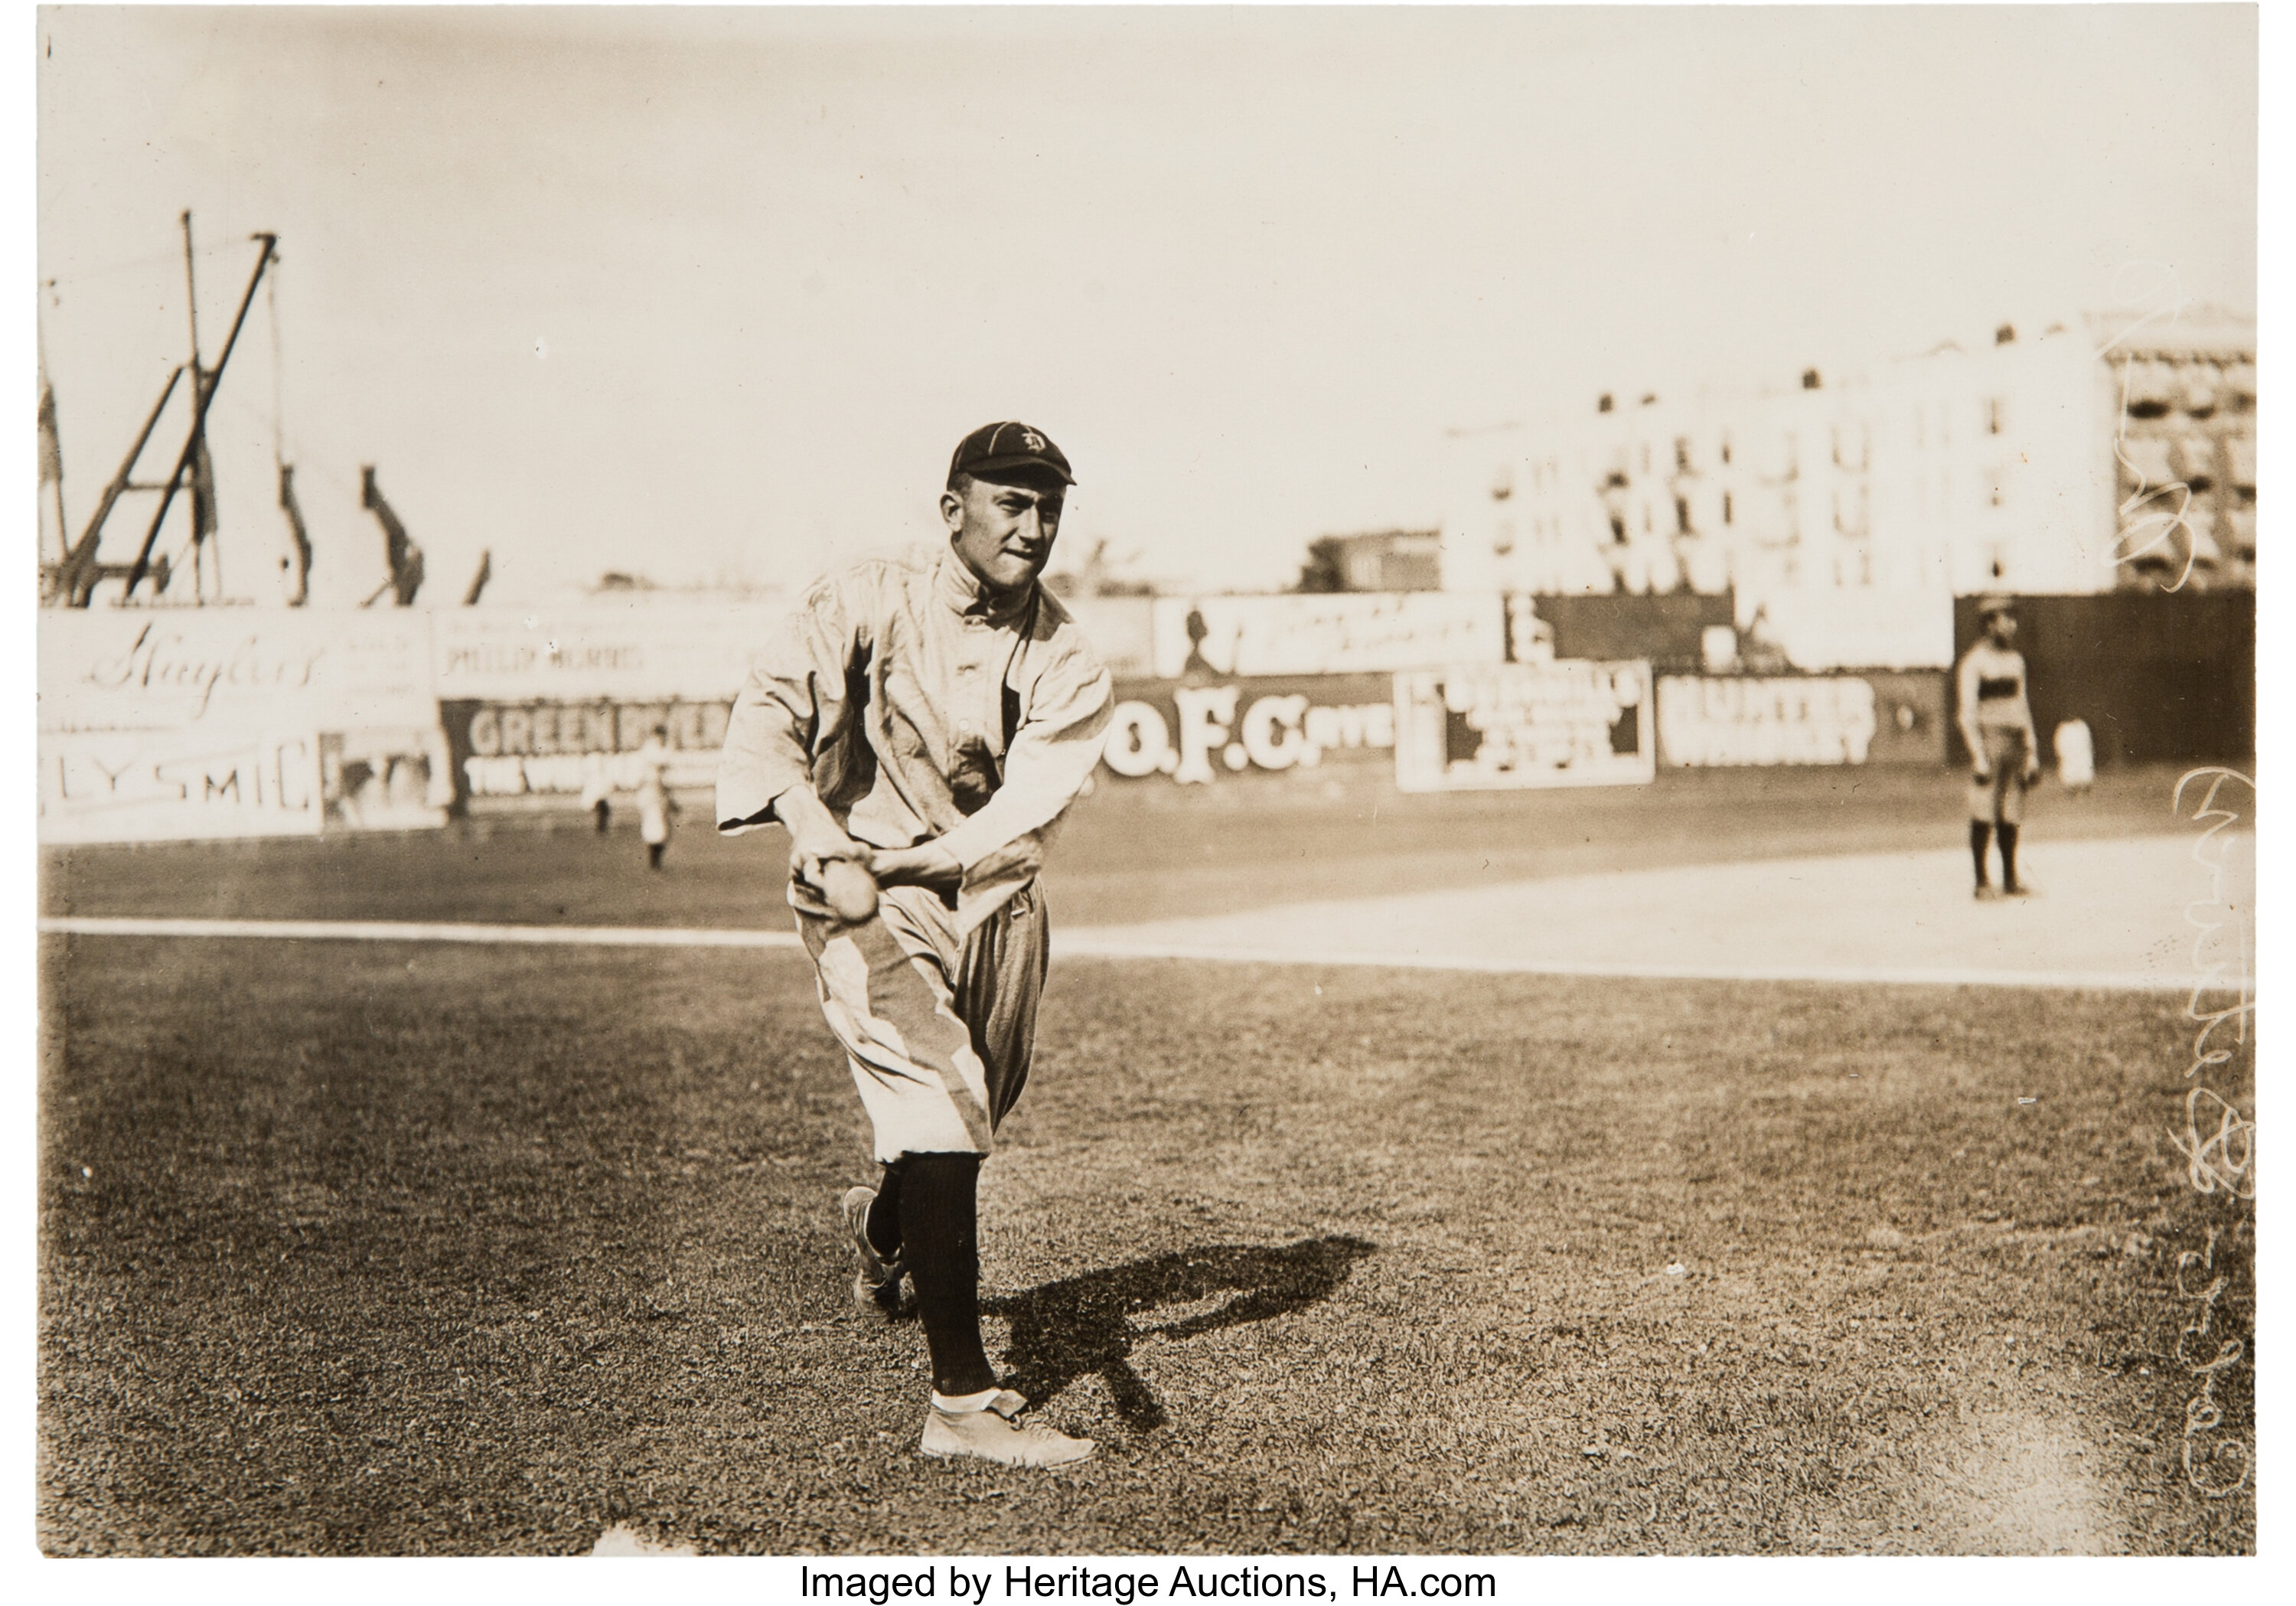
x,y
656,807
598,791
2076,755
2004,751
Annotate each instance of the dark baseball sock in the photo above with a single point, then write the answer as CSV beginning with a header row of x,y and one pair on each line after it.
x,y
940,1239
653,855
1981,836
2008,855
884,1226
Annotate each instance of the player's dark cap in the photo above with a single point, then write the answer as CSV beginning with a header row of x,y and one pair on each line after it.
x,y
1995,602
996,448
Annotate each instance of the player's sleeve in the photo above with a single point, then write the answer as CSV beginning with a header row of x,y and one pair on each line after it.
x,y
1052,754
796,704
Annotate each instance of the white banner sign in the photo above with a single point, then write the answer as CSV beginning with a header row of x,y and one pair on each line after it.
x,y
599,649
165,724
177,784
233,669
1344,632
1792,719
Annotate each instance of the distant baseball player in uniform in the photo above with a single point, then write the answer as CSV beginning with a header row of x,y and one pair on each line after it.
x,y
656,805
2005,750
597,791
930,719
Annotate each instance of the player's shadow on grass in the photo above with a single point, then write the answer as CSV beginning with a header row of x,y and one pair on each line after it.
x,y
1089,1323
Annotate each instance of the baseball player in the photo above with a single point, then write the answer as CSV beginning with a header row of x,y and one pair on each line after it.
x,y
597,791
2005,750
656,805
930,719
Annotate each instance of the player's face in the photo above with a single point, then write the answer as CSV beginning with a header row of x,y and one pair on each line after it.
x,y
1005,533
2002,627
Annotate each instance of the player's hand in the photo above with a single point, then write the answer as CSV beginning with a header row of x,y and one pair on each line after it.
x,y
2032,772
815,835
809,852
928,864
1981,774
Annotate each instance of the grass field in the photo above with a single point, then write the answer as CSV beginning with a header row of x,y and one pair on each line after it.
x,y
395,1247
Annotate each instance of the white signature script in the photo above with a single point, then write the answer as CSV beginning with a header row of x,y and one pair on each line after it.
x,y
2202,1413
2218,1160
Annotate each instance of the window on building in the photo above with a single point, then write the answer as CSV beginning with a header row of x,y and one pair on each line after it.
x,y
1996,414
1725,448
1681,514
1503,538
1725,507
1681,453
1503,483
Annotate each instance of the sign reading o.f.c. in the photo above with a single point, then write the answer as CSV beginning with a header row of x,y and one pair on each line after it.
x,y
1205,734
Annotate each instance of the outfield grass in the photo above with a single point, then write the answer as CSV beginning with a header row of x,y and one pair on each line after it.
x,y
380,1247
1135,851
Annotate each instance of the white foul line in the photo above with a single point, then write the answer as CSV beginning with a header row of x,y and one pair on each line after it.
x,y
1112,944
422,931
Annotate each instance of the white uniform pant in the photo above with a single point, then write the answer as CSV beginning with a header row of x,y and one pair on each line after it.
x,y
939,1029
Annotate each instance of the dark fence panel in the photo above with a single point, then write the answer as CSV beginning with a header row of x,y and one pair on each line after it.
x,y
1668,629
2163,676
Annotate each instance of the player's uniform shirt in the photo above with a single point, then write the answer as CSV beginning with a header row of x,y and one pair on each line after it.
x,y
920,706
652,793
1998,722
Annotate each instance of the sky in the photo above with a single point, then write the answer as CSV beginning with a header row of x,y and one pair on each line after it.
x,y
712,295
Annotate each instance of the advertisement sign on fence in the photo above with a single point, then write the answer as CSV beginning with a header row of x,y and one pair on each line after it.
x,y
215,668
1192,734
576,652
504,750
169,723
1802,719
1564,723
164,786
1327,634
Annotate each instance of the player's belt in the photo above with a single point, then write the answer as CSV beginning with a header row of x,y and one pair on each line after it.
x,y
1991,687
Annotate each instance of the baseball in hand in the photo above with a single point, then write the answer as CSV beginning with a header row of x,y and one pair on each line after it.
x,y
850,889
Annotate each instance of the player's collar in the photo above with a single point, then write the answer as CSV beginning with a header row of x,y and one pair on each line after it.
x,y
961,589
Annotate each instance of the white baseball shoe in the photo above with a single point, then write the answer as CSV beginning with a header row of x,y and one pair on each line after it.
x,y
876,1280
996,1433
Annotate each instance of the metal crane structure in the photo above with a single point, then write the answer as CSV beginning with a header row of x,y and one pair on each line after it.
x,y
71,580
400,552
71,571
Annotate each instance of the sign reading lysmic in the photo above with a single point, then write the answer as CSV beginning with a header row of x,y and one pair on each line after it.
x,y
1563,724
